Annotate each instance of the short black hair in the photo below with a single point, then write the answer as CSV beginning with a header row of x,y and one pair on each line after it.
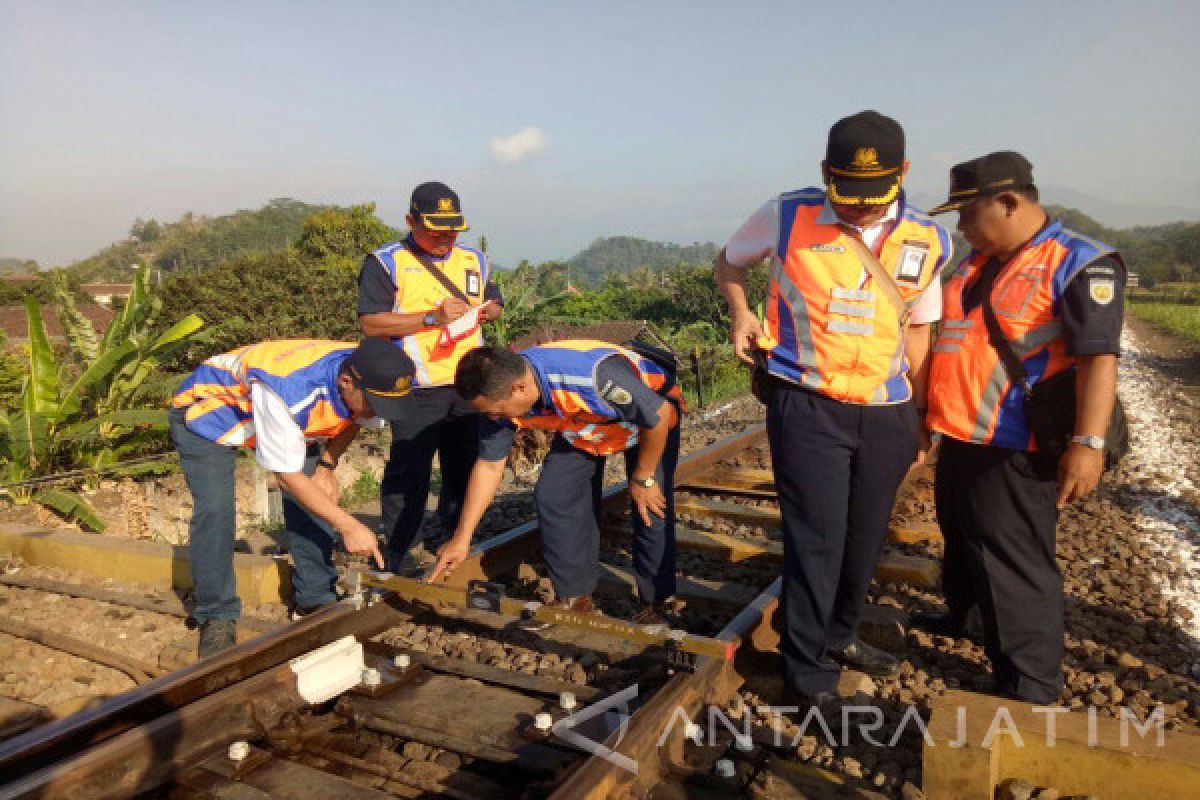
x,y
488,371
1030,193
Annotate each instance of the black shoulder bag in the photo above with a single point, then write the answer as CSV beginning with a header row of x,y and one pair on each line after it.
x,y
1050,403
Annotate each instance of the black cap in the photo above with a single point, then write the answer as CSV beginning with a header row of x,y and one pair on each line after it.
x,y
385,374
865,159
996,172
436,206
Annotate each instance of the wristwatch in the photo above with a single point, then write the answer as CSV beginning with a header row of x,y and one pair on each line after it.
x,y
1093,442
430,320
646,483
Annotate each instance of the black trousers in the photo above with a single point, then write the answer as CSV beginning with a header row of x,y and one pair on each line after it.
x,y
439,421
567,496
837,468
997,514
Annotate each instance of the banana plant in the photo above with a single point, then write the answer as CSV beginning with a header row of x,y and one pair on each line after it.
x,y
91,417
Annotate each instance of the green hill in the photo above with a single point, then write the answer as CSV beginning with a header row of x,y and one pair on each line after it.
x,y
17,265
196,243
623,254
1168,252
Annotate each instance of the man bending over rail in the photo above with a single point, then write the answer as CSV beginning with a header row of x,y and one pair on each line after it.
x,y
298,404
600,399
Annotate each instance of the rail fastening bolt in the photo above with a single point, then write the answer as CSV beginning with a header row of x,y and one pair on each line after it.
x,y
567,701
543,722
725,768
371,677
402,661
238,751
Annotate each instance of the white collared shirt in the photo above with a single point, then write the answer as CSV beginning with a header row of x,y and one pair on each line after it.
x,y
757,238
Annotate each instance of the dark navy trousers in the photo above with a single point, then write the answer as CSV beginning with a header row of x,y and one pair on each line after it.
x,y
837,468
437,420
567,496
997,512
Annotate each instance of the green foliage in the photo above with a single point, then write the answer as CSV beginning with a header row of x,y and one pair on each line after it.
x,y
92,412
344,233
1178,318
196,243
617,254
1157,253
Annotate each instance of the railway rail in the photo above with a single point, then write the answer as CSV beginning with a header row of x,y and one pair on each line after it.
x,y
408,690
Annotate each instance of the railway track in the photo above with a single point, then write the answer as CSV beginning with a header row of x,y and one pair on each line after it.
x,y
407,692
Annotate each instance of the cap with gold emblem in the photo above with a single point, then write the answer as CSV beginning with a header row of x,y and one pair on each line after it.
x,y
385,374
435,205
865,159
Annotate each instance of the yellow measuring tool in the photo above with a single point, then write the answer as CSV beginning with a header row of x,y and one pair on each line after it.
x,y
681,647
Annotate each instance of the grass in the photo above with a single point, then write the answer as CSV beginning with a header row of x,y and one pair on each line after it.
x,y
1183,320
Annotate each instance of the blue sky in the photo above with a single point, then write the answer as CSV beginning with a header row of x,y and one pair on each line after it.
x,y
669,120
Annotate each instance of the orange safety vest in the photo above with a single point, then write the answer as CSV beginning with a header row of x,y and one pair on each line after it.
x,y
836,331
566,375
418,291
304,373
970,396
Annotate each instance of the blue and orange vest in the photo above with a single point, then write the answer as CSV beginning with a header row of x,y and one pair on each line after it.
x,y
970,396
418,291
836,332
566,375
216,397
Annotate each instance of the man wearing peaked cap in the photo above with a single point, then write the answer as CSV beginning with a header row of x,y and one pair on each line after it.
x,y
1033,306
430,296
853,289
298,404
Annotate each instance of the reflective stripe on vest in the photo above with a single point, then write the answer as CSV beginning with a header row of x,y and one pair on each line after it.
x,y
216,396
837,333
418,292
566,375
971,397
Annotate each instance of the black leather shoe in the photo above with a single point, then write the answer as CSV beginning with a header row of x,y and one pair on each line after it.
x,y
217,635
804,702
863,657
939,624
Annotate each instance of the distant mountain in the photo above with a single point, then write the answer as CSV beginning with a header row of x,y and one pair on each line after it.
x,y
1117,213
8,265
620,254
196,242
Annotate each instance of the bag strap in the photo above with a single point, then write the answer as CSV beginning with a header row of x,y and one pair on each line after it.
x,y
879,274
442,278
1003,347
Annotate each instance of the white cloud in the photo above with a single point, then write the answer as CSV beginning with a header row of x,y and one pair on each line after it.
x,y
519,146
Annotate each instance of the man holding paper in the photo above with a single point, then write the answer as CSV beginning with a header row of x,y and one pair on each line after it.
x,y
430,295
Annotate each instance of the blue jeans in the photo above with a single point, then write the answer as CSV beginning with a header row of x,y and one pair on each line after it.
x,y
209,469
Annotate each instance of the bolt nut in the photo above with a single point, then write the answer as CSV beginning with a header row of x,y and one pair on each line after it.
x,y
402,661
743,743
725,768
371,677
567,701
238,751
543,722
694,732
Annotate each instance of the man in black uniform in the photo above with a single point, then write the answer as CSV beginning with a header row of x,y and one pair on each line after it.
x,y
429,295
1056,297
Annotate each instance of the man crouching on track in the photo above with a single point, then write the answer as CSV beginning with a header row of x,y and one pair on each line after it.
x,y
601,399
283,399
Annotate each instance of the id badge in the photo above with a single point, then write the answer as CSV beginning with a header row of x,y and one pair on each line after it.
x,y
912,261
473,286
